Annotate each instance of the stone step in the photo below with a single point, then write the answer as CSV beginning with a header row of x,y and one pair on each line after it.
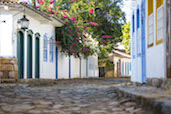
x,y
8,80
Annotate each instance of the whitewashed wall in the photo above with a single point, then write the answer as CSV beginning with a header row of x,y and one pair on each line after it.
x,y
93,70
155,55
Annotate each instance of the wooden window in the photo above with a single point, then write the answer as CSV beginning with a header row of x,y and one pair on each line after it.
x,y
45,48
51,49
150,25
159,21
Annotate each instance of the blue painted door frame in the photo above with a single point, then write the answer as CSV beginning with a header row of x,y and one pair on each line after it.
x,y
143,44
56,62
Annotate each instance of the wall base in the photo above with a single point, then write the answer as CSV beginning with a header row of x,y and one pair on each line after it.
x,y
8,68
159,82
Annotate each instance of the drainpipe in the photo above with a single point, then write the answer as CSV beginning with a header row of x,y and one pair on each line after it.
x,y
80,67
69,67
87,67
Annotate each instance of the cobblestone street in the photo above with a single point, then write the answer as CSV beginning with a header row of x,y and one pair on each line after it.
x,y
76,96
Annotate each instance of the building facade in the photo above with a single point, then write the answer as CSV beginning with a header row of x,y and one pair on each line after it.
x,y
35,48
149,40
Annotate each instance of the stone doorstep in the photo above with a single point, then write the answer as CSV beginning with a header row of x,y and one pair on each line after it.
x,y
8,80
158,106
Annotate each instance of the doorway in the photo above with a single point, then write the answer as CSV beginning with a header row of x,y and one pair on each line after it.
x,y
37,56
20,54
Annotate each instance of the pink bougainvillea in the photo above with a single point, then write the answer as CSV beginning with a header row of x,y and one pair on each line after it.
x,y
87,49
56,13
51,11
66,22
91,10
107,36
73,44
72,18
64,11
69,31
41,1
65,16
85,27
51,2
37,7
104,41
93,23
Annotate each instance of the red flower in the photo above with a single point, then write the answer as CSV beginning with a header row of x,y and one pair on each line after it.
x,y
25,2
56,13
84,27
104,41
51,11
64,11
91,10
37,7
41,1
73,44
107,36
93,23
70,50
69,31
85,36
87,49
66,22
65,16
51,2
72,18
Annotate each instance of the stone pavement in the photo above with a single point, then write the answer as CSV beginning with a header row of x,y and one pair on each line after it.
x,y
76,96
156,99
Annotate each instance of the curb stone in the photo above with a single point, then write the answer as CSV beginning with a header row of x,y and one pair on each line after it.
x,y
158,106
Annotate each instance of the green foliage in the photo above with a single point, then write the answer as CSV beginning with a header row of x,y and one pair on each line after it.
x,y
78,40
126,37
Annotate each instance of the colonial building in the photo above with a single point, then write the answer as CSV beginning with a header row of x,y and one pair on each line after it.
x,y
35,48
150,39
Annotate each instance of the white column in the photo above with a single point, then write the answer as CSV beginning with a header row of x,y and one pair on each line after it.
x,y
33,56
25,54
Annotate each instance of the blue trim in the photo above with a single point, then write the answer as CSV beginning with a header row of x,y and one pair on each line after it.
x,y
45,59
56,62
133,56
133,23
69,67
51,39
138,18
143,42
139,54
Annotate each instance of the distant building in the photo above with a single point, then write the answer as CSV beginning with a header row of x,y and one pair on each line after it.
x,y
150,41
118,64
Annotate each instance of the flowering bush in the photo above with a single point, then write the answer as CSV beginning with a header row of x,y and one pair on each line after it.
x,y
86,28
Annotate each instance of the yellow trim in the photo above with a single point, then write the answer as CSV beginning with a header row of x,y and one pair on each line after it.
x,y
161,40
149,13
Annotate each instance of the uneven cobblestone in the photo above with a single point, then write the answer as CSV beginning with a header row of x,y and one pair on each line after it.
x,y
76,96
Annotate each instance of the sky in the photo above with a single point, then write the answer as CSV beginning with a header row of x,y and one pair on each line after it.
x,y
127,8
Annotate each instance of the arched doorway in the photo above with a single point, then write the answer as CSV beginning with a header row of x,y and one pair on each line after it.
x,y
20,53
29,53
37,55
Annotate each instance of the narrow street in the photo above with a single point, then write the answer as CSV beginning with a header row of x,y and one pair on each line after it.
x,y
76,96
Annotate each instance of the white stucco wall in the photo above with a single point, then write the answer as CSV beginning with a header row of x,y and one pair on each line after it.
x,y
93,70
155,55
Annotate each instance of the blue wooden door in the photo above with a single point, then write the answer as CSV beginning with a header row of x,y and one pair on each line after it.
x,y
143,44
56,62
